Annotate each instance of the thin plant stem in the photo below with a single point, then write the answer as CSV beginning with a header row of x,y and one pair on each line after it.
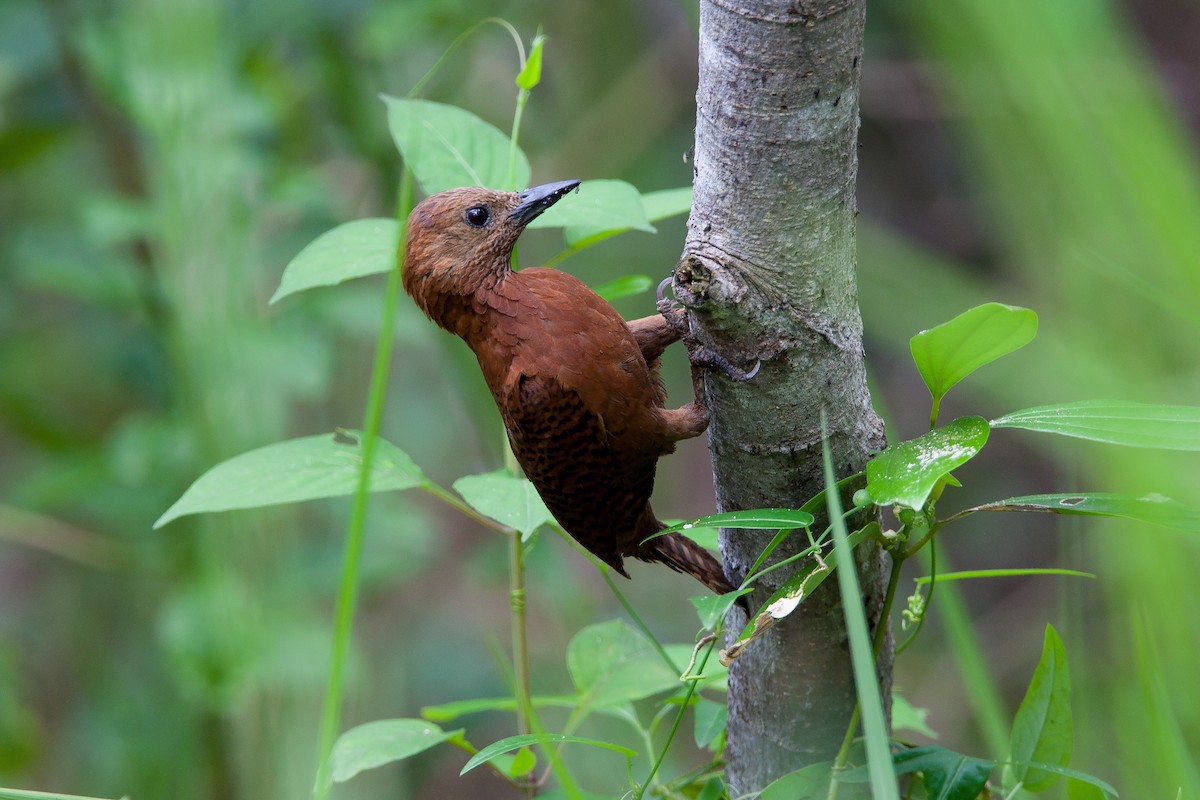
x,y
347,597
520,644
637,619
687,699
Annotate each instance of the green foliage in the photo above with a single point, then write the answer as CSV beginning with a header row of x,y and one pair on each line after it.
x,y
611,664
908,473
162,162
509,500
524,740
953,350
947,775
382,742
863,649
1132,424
1043,732
312,467
351,250
446,146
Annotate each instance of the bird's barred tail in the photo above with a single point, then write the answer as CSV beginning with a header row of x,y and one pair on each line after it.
x,y
683,555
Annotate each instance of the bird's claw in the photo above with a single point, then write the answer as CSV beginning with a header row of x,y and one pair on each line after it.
x,y
698,354
702,356
671,309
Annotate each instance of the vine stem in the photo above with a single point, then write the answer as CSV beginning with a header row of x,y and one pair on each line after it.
x,y
347,596
693,681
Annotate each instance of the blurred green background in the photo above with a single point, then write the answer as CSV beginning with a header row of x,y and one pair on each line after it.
x,y
160,162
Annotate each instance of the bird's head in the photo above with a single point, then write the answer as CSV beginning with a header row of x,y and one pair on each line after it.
x,y
459,238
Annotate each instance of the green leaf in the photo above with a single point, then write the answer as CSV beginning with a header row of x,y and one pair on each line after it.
x,y
1042,730
514,742
445,712
445,146
1114,422
948,775
906,716
713,608
1082,790
602,208
970,574
531,74
754,519
523,763
351,250
905,474
953,350
308,468
710,719
666,203
862,657
25,794
509,500
810,782
626,286
382,742
611,663
1153,508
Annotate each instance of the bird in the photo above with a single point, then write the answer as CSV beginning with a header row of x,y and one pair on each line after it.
x,y
577,386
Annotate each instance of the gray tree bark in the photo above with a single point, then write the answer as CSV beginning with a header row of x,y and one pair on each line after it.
x,y
769,272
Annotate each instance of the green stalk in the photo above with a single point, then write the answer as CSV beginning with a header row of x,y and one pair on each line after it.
x,y
683,707
520,644
348,588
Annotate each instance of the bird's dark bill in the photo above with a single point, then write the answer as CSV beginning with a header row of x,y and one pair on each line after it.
x,y
538,198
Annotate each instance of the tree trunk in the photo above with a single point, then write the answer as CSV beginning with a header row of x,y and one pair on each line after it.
x,y
768,270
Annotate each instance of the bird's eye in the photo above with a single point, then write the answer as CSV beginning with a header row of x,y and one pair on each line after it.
x,y
477,216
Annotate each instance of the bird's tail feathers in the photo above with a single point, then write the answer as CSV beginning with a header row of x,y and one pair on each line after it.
x,y
683,555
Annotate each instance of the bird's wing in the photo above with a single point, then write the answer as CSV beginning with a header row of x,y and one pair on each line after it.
x,y
595,492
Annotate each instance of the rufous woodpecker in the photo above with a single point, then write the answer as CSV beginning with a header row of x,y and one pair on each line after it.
x,y
577,386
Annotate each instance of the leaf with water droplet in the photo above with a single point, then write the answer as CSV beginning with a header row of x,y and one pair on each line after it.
x,y
905,474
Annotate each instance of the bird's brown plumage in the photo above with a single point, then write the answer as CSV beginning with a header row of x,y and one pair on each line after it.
x,y
577,386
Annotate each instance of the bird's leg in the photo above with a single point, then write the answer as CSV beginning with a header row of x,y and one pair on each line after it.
x,y
655,333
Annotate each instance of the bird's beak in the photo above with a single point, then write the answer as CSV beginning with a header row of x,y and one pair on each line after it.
x,y
537,199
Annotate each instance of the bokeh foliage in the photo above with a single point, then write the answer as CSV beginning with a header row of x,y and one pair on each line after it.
x,y
161,160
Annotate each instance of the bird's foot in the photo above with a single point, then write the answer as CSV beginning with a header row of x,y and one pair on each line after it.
x,y
671,309
702,356
698,354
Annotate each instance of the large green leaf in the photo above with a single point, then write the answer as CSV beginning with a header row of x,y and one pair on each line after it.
x,y
1115,422
803,784
525,740
509,500
906,473
666,203
710,718
611,663
382,742
326,465
601,207
948,775
445,712
445,146
625,286
953,350
1042,730
351,250
1152,508
754,519
25,794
